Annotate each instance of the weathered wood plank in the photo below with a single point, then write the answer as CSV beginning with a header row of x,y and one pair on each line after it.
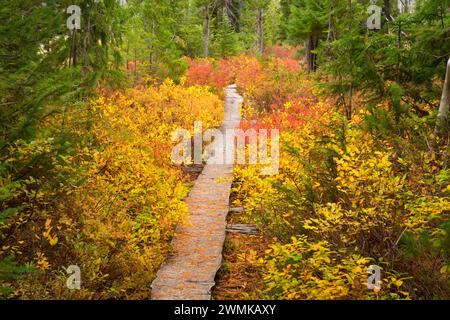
x,y
189,274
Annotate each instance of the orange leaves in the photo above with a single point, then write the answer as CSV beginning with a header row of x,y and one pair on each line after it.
x,y
266,85
116,197
206,72
133,196
282,51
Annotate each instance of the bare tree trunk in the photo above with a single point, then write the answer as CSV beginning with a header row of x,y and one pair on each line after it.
x,y
309,55
85,45
349,107
399,46
387,9
222,21
152,45
207,32
330,35
261,30
442,126
128,53
70,54
316,45
135,60
305,56
73,50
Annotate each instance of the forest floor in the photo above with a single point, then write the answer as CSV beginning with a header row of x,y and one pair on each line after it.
x,y
239,277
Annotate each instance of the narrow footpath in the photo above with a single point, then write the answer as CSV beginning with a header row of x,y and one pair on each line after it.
x,y
190,272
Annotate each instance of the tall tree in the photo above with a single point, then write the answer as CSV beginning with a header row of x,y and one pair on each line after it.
x,y
207,8
207,29
442,125
308,21
261,7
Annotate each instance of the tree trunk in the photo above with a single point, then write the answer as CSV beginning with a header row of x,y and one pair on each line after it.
x,y
442,125
152,45
311,56
222,21
128,53
207,32
387,9
85,45
314,57
349,107
261,30
74,48
330,35
135,60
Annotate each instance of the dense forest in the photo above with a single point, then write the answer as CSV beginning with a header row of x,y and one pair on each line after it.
x,y
92,90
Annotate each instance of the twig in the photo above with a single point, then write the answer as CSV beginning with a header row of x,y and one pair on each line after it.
x,y
401,235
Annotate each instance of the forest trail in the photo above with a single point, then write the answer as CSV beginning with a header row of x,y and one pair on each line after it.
x,y
190,272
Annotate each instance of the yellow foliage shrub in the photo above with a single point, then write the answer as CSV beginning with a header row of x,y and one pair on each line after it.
x,y
116,213
351,195
302,270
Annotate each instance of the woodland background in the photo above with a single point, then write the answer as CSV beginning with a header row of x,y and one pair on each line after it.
x,y
86,119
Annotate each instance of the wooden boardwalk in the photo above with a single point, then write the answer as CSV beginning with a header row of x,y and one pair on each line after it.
x,y
189,274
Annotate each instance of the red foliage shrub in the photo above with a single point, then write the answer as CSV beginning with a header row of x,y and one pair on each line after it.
x,y
282,51
276,89
207,72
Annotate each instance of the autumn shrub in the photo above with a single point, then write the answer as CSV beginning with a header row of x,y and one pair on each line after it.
x,y
209,72
346,197
266,84
282,51
314,271
112,205
352,196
